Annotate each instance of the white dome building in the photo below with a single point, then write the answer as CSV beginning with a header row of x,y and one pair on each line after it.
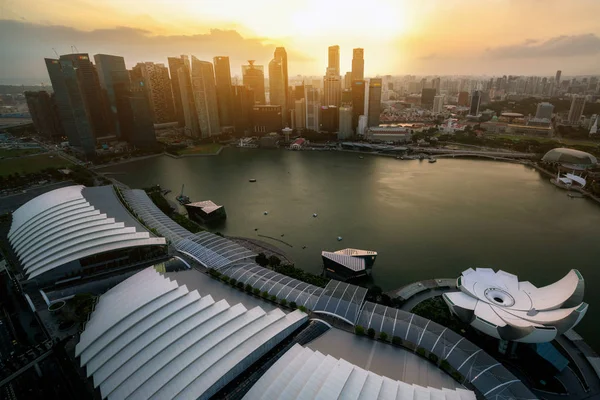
x,y
497,304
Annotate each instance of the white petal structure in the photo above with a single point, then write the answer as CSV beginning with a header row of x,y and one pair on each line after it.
x,y
55,230
497,304
149,338
302,373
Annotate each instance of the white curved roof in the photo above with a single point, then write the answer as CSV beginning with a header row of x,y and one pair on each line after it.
x,y
70,223
302,373
150,338
499,305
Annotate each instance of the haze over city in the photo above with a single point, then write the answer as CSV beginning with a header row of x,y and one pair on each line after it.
x,y
467,37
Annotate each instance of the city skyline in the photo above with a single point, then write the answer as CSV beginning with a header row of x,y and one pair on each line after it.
x,y
519,38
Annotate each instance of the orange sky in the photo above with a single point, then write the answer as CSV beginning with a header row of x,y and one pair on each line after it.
x,y
399,36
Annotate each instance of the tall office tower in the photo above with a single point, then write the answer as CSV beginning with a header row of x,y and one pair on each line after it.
x,y
557,77
345,127
223,85
44,114
576,110
435,84
374,107
111,71
348,80
63,101
475,101
347,97
334,59
89,86
330,119
243,101
544,110
358,100
205,97
191,125
281,55
358,65
253,76
332,88
300,113
427,95
158,86
438,104
299,92
463,99
276,83
175,63
86,138
312,107
142,132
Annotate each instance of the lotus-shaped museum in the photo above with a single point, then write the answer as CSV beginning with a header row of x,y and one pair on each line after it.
x,y
497,304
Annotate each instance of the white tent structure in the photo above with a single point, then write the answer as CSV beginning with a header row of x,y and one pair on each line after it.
x,y
149,338
498,304
302,373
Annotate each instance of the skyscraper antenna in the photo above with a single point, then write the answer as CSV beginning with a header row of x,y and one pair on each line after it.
x,y
54,50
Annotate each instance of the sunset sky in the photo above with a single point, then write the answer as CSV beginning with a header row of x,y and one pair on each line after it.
x,y
399,36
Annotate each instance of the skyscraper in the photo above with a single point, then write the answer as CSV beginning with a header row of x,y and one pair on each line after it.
x,y
557,77
312,107
281,55
112,71
463,99
89,86
175,63
44,114
253,76
142,132
358,101
544,110
276,83
576,110
158,87
427,95
300,113
205,97
330,119
63,101
345,130
188,103
374,108
332,91
435,84
86,139
243,102
223,85
438,104
358,64
334,59
475,101
348,80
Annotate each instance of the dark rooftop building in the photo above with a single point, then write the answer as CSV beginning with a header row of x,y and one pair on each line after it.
x,y
205,212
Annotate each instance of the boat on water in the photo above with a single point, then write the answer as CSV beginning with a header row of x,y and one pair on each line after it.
x,y
166,191
315,215
252,180
266,213
339,238
183,199
432,160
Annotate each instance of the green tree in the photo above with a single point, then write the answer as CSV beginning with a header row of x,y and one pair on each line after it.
x,y
397,340
371,333
265,295
256,291
359,330
293,305
302,308
283,302
262,260
383,336
273,298
240,285
232,282
248,287
274,261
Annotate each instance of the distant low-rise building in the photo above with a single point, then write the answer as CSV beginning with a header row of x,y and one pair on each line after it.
x,y
266,119
298,144
396,134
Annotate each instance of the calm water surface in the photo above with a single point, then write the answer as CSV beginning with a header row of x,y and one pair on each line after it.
x,y
425,220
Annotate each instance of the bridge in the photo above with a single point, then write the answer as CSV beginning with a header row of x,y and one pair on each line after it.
x,y
502,155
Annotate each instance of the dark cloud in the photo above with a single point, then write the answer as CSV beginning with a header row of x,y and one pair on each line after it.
x,y
24,45
560,46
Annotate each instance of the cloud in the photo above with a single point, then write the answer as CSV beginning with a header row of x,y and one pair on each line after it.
x,y
559,46
25,45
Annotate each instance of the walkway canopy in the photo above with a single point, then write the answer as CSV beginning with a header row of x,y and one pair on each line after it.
x,y
341,300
